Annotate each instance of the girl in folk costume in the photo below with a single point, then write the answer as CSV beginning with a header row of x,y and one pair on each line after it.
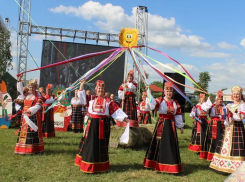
x,y
126,92
199,126
77,114
92,153
48,117
30,136
163,153
143,109
217,112
19,103
230,151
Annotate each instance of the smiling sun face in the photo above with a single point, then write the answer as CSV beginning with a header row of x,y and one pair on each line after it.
x,y
128,37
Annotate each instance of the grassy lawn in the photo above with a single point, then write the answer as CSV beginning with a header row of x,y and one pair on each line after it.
x,y
57,163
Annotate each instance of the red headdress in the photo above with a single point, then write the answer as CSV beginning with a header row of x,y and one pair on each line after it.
x,y
131,72
219,94
99,83
168,86
49,86
144,93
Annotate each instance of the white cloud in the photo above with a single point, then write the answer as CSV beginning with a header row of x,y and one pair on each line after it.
x,y
209,54
226,75
225,45
42,37
14,47
163,32
242,43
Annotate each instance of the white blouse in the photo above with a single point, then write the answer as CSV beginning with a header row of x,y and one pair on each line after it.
x,y
118,114
131,88
163,109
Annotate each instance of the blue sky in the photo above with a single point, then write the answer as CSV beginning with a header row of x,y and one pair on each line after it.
x,y
201,35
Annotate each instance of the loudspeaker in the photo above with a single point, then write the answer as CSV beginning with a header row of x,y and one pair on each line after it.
x,y
181,79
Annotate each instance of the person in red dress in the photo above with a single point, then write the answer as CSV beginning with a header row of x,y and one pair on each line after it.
x,y
143,109
199,125
127,92
30,136
48,117
163,153
93,156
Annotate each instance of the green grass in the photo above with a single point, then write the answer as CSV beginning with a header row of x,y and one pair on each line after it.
x,y
57,163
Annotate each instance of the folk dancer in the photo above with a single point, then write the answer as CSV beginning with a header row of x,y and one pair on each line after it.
x,y
163,153
93,156
126,92
217,113
230,151
48,117
199,125
77,114
30,136
18,106
143,110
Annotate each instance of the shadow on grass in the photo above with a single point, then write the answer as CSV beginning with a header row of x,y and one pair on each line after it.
x,y
57,151
192,168
186,127
125,167
61,143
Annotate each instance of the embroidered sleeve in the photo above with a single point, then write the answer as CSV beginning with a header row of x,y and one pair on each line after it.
x,y
38,105
113,107
116,112
158,102
178,111
135,84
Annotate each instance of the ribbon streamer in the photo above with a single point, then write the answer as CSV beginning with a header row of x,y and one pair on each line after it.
x,y
177,63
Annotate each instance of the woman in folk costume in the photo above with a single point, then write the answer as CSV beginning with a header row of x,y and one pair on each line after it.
x,y
230,151
199,126
92,153
48,117
77,114
19,103
217,112
143,110
30,136
163,153
126,92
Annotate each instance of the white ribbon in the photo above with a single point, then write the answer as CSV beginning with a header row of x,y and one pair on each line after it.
x,y
125,136
30,123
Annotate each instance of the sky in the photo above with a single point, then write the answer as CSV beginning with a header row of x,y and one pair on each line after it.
x,y
202,35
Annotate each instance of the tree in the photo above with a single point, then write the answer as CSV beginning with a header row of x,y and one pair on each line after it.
x,y
5,53
204,79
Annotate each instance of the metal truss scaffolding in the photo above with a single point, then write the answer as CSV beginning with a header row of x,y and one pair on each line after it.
x,y
24,32
142,26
